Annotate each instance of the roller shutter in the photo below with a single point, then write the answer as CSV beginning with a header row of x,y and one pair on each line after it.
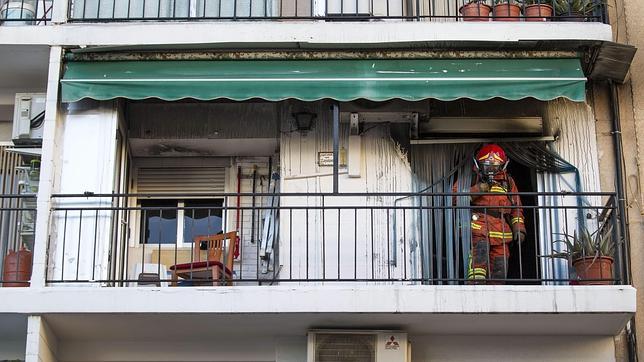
x,y
180,179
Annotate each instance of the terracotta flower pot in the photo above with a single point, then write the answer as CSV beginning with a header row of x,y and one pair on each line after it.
x,y
538,12
594,268
507,12
475,12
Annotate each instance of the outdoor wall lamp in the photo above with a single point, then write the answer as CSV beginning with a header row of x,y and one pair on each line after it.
x,y
304,121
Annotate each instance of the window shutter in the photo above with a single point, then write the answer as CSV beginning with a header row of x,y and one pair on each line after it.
x,y
180,179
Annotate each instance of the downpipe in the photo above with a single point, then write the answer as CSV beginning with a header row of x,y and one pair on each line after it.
x,y
621,207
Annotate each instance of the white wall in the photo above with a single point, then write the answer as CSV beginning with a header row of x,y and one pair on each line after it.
x,y
221,348
88,152
480,348
425,348
359,242
574,123
247,266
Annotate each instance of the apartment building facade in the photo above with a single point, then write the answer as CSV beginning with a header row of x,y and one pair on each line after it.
x,y
289,180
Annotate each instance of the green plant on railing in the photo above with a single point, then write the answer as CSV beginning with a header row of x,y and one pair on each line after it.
x,y
589,254
576,7
585,244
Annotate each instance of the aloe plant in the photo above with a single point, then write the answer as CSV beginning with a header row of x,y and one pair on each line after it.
x,y
586,244
581,7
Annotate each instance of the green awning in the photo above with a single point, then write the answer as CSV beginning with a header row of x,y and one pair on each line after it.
x,y
310,80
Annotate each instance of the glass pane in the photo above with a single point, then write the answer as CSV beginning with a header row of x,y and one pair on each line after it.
x,y
201,217
160,224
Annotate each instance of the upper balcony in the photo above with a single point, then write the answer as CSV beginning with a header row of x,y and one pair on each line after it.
x,y
302,24
337,10
35,12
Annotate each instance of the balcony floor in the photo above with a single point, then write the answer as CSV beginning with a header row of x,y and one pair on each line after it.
x,y
515,310
306,34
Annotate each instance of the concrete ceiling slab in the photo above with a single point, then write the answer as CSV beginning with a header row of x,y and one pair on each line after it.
x,y
171,326
203,147
23,69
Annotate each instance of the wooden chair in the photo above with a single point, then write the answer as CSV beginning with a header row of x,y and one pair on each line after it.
x,y
217,269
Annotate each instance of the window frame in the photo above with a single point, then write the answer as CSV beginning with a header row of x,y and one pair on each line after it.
x,y
180,221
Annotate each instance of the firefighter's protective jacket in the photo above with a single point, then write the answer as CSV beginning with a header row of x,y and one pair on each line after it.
x,y
497,214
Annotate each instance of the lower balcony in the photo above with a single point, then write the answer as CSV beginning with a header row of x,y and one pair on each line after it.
x,y
260,323
388,261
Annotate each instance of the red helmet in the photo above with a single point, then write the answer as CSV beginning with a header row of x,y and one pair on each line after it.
x,y
491,159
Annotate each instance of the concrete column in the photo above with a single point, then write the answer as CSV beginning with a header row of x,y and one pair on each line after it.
x,y
42,343
50,148
60,9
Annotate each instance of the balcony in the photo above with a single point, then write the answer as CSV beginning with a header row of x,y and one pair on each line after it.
x,y
121,240
25,12
333,10
325,260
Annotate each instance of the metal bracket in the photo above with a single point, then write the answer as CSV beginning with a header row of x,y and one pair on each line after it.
x,y
354,125
413,127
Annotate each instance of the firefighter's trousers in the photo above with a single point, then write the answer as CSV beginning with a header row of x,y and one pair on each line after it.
x,y
488,261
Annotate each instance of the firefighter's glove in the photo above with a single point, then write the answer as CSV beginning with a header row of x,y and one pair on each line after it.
x,y
484,187
518,235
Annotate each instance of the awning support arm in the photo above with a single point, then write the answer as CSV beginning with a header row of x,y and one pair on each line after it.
x,y
336,145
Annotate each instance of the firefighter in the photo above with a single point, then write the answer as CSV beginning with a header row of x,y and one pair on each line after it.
x,y
496,219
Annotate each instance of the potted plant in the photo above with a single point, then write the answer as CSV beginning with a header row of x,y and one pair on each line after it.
x,y
591,255
506,10
475,10
537,10
575,10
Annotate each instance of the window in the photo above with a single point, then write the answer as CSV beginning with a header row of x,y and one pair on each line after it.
x,y
166,222
201,217
158,222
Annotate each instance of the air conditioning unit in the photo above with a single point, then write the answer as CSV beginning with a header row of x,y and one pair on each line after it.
x,y
358,345
28,118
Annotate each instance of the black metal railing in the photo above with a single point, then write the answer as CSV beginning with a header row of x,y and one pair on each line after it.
x,y
137,239
25,12
339,10
17,226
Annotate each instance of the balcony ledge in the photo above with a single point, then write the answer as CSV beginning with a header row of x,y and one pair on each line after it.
x,y
574,310
301,34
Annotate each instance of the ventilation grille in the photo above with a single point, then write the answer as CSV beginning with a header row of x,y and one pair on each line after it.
x,y
345,347
180,179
